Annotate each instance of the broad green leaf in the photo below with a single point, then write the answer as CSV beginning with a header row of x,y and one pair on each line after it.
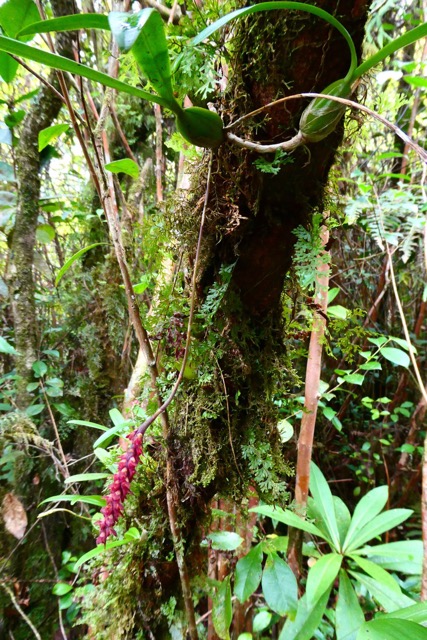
x,y
86,423
126,165
222,609
377,572
101,548
5,347
14,15
261,621
321,576
225,540
8,69
289,518
61,588
348,614
389,629
324,501
248,573
50,134
98,501
378,342
366,509
143,33
14,118
307,619
39,368
34,409
354,378
338,311
67,23
396,356
63,270
405,556
45,233
404,344
372,365
86,477
416,613
64,64
279,586
383,522
387,598
332,294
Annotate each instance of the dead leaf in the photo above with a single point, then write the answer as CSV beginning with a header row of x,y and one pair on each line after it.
x,y
14,516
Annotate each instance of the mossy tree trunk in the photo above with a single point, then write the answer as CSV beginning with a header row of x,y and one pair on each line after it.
x,y
21,276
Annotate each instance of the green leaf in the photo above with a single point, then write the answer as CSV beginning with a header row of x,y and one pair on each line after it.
x,y
383,522
108,435
354,378
8,69
66,23
222,610
321,576
16,14
324,502
45,233
377,572
404,555
279,586
338,311
117,418
225,540
366,509
289,518
39,368
332,294
50,134
306,621
86,477
98,501
34,410
396,356
416,81
143,33
348,614
248,573
61,588
389,629
64,64
372,365
387,598
416,613
63,270
343,517
86,423
261,621
101,548
404,344
14,118
5,347
126,165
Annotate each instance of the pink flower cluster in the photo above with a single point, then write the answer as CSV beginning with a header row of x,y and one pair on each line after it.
x,y
119,488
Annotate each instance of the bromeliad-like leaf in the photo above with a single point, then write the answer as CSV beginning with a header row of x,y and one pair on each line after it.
x,y
307,619
383,522
322,575
279,586
348,614
324,502
67,23
366,509
289,518
248,573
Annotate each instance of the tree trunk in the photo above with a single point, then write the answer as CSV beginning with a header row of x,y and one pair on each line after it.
x,y
21,276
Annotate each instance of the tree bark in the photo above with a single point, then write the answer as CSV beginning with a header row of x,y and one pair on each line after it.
x,y
21,276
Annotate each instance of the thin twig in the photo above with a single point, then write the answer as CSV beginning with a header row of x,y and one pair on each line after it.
x,y
20,611
64,465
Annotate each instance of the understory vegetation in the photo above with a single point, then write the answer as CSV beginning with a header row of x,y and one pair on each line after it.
x,y
213,350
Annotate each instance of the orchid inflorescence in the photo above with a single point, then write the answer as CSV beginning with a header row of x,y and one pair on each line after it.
x,y
120,487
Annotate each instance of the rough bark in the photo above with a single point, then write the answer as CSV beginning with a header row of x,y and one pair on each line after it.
x,y
21,276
